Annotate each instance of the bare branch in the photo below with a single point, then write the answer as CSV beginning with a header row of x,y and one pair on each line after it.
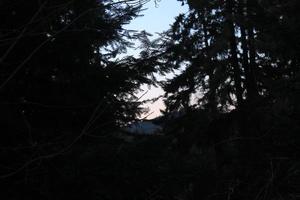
x,y
22,32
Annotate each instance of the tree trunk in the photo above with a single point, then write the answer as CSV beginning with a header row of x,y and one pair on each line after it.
x,y
212,103
233,52
252,68
249,75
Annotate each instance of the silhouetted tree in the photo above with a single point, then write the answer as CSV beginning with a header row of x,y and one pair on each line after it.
x,y
236,54
61,80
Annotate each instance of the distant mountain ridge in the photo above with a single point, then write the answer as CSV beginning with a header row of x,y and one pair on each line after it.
x,y
144,128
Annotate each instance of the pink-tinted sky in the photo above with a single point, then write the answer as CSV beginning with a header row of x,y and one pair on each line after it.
x,y
156,19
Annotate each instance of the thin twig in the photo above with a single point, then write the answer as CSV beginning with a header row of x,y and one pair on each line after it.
x,y
50,38
62,151
22,32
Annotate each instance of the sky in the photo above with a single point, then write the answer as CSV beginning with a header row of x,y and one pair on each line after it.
x,y
156,19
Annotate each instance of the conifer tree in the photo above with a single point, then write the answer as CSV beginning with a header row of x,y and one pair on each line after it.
x,y
61,81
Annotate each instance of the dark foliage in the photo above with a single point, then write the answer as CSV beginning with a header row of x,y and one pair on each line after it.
x,y
232,123
61,83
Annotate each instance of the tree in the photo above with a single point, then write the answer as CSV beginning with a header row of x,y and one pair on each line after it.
x,y
237,54
221,47
61,82
203,43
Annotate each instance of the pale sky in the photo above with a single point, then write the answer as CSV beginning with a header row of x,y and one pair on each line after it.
x,y
156,20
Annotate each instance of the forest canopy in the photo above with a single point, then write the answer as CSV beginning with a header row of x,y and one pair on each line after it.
x,y
68,88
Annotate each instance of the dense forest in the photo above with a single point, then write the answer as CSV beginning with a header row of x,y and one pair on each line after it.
x,y
69,89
